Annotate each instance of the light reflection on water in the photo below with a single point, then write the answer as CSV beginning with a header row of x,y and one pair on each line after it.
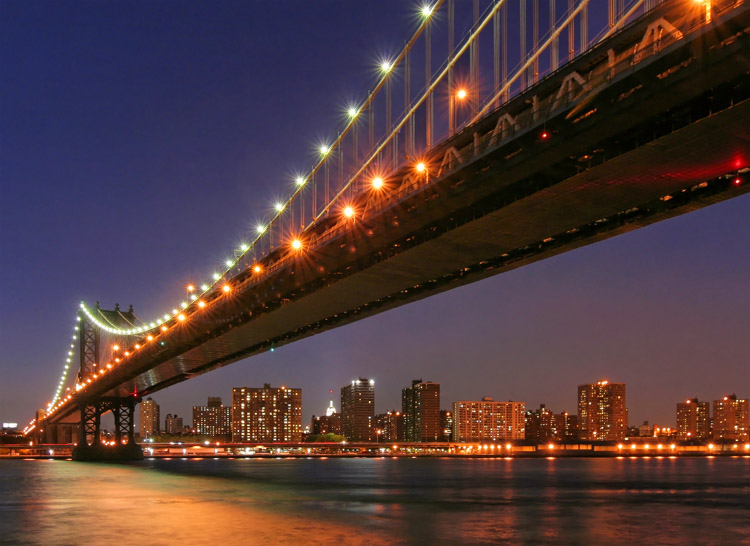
x,y
377,501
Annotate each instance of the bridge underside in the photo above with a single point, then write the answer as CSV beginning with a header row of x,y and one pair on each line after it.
x,y
672,145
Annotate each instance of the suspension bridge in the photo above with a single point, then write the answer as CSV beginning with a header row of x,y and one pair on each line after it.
x,y
476,152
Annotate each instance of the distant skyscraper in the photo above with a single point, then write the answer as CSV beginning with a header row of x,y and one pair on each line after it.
x,y
487,420
149,414
358,410
389,426
420,404
732,419
173,424
267,414
330,410
330,423
602,415
567,427
213,419
541,425
446,425
693,421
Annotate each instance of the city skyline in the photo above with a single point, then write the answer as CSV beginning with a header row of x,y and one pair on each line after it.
x,y
654,308
672,423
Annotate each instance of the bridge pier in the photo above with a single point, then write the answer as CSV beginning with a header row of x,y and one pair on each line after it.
x,y
90,446
124,448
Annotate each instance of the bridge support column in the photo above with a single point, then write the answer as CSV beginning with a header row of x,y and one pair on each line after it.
x,y
91,448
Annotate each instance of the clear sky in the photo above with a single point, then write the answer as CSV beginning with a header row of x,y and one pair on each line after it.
x,y
141,140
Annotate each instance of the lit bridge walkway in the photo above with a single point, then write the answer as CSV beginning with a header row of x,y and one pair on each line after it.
x,y
649,122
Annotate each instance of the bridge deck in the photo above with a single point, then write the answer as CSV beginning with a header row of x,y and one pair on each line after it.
x,y
636,159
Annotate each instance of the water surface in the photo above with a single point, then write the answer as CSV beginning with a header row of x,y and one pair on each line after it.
x,y
377,501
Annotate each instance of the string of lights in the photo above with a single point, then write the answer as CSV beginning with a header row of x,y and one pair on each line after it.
x,y
386,67
66,369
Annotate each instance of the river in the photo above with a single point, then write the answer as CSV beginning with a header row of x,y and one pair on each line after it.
x,y
377,501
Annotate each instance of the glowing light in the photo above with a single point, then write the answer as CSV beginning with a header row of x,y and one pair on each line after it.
x,y
115,347
737,181
204,287
461,94
181,317
299,181
244,247
190,288
260,228
279,206
226,288
348,212
386,66
421,167
201,304
150,338
229,263
353,112
296,244
257,269
377,182
545,136
551,446
163,328
325,149
426,10
216,276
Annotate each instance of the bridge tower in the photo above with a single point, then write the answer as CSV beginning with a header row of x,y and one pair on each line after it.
x,y
90,447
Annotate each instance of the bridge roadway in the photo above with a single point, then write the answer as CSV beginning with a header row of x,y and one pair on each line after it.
x,y
642,132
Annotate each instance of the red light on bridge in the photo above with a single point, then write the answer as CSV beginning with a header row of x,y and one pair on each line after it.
x,y
545,135
737,181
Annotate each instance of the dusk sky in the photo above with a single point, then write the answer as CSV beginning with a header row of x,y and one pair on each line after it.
x,y
141,140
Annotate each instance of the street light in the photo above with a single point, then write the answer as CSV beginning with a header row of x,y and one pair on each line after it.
x,y
459,95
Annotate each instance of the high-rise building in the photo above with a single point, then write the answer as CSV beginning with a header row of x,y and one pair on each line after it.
x,y
693,421
358,410
421,407
173,424
330,423
541,425
602,415
149,414
487,420
389,426
567,427
213,419
446,425
732,419
267,414
326,424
